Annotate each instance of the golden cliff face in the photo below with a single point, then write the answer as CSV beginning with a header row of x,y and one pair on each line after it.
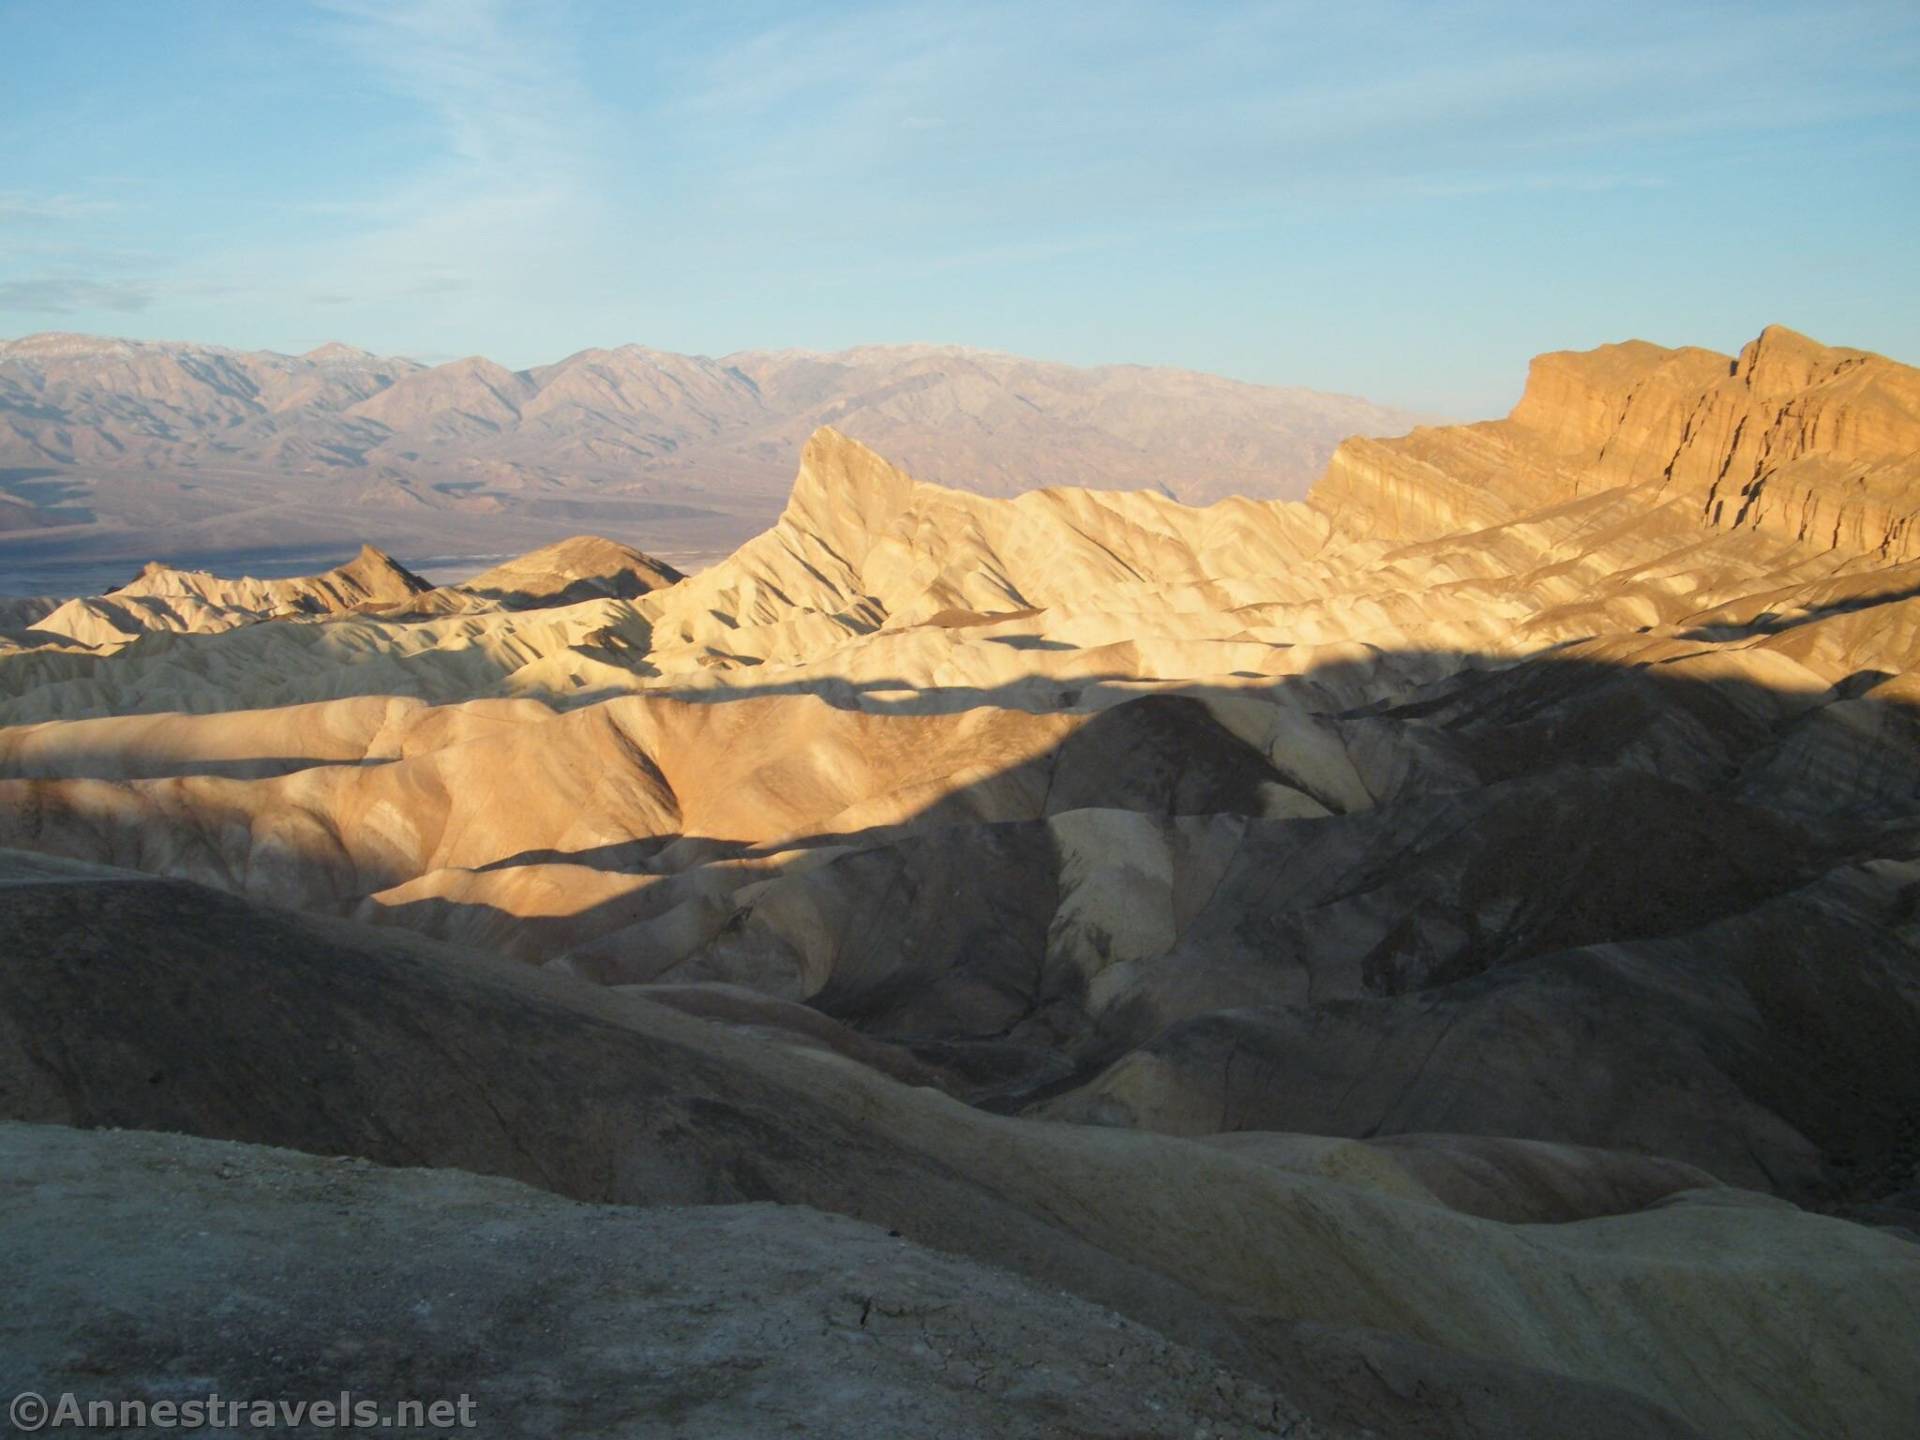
x,y
1793,439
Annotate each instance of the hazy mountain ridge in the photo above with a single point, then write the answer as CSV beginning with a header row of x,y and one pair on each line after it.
x,y
118,452
1024,423
199,449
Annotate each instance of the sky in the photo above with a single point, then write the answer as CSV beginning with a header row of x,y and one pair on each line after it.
x,y
1403,201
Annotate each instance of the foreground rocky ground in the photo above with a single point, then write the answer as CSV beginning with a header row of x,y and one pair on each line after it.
x,y
1443,955
1362,1297
176,1266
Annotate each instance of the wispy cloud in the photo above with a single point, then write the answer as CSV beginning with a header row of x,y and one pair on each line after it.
x,y
504,179
440,285
1071,114
502,88
1454,187
20,208
69,295
516,127
52,264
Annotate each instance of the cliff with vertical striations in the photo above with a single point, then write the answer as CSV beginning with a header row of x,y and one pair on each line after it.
x,y
1794,439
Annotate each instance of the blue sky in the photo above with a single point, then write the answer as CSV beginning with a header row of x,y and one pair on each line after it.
x,y
1398,200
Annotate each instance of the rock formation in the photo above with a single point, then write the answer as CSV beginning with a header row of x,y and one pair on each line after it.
x,y
1451,937
569,571
162,600
1793,439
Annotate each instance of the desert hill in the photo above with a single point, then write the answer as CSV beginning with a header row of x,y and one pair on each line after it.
x,y
162,599
115,448
572,570
1406,940
166,600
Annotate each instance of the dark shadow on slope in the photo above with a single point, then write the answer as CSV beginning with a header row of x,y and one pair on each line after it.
x,y
117,766
1564,805
44,672
1668,911
622,586
41,500
162,1005
1768,623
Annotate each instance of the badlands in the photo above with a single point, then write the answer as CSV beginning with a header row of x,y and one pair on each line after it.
x,y
1439,958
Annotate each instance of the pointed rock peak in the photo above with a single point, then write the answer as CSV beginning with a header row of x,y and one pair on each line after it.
x,y
380,573
1776,341
593,354
1779,361
475,364
335,351
588,554
581,567
833,456
152,570
1786,337
625,357
843,486
479,369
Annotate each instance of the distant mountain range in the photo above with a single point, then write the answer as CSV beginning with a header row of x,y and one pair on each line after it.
x,y
683,453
